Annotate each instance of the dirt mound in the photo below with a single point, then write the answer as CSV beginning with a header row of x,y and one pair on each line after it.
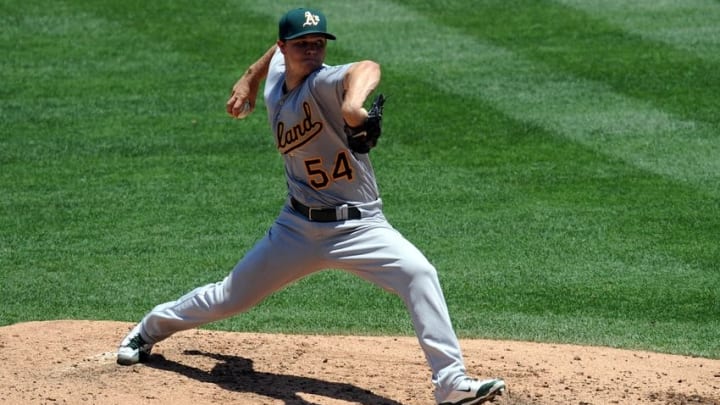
x,y
73,362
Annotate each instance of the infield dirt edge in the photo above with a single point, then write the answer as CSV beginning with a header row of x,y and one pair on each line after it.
x,y
73,362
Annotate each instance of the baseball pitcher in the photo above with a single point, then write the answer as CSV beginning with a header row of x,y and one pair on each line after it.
x,y
333,215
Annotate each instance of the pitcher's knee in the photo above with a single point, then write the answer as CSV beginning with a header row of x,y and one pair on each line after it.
x,y
423,271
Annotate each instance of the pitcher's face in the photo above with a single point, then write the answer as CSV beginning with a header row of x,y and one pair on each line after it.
x,y
304,55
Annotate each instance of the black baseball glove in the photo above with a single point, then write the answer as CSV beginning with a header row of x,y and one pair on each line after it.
x,y
364,137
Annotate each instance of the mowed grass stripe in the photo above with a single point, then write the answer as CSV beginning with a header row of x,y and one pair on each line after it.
x,y
221,36
590,47
118,161
530,86
89,95
103,79
691,25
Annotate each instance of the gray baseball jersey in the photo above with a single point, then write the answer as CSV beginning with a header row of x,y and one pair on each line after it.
x,y
308,128
322,172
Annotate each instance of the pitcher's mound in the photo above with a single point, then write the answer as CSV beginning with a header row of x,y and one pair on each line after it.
x,y
73,362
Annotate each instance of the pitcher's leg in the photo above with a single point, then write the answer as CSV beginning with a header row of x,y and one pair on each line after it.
x,y
415,280
384,257
278,259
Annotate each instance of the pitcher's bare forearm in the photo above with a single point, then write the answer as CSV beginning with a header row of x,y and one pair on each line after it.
x,y
244,92
360,80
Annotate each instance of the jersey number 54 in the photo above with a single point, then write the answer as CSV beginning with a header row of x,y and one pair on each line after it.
x,y
321,178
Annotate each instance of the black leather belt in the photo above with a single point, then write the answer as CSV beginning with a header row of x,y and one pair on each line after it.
x,y
326,214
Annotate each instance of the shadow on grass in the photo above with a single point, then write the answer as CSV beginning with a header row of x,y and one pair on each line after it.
x,y
235,373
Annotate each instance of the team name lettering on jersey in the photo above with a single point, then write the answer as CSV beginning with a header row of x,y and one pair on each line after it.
x,y
299,134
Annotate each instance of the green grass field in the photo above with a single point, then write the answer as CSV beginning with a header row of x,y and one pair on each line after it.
x,y
558,161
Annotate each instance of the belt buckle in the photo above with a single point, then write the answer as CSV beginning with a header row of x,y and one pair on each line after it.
x,y
341,212
310,213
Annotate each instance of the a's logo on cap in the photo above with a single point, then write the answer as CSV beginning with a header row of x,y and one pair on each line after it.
x,y
311,19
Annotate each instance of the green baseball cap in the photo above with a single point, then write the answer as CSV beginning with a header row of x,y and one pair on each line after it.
x,y
303,21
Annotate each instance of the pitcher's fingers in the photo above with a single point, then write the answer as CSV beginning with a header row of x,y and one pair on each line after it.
x,y
238,107
230,105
